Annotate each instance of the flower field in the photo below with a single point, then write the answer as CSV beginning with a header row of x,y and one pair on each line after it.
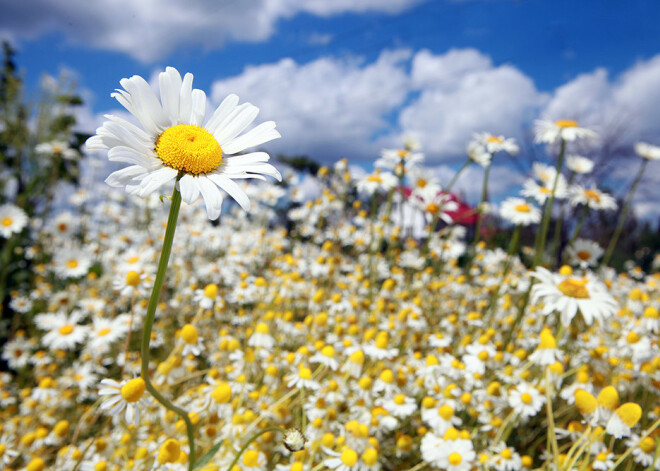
x,y
371,328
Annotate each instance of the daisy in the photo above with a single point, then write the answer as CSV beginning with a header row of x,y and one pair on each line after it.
x,y
126,397
541,193
477,153
526,400
71,263
563,129
377,181
192,343
302,379
347,460
568,295
12,220
104,332
592,197
643,450
208,296
176,143
546,352
624,418
400,406
579,164
519,212
494,144
585,253
647,151
64,332
57,148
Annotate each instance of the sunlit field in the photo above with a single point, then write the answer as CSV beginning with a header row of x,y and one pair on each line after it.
x,y
196,311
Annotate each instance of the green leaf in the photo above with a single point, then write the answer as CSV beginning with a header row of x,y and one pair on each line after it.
x,y
208,456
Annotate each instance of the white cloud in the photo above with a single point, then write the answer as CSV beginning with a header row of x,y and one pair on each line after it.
x,y
328,108
462,92
151,29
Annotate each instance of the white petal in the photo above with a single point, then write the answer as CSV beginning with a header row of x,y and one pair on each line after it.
x,y
232,189
265,169
227,106
154,180
263,133
212,197
233,127
198,107
131,156
251,158
146,106
188,188
170,88
125,176
185,99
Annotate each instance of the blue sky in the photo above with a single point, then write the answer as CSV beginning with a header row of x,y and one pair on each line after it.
x,y
344,78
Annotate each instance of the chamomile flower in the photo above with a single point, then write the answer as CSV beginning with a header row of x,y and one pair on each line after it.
x,y
624,418
647,151
57,148
570,294
494,144
585,253
563,129
520,212
71,263
176,143
126,396
592,197
541,193
12,220
546,352
64,332
579,164
377,181
526,400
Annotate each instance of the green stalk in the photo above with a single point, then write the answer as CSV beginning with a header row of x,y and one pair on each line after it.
x,y
624,214
540,240
477,234
249,442
556,242
578,228
149,321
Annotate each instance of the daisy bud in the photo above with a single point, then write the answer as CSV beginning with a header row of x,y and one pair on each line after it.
x,y
294,440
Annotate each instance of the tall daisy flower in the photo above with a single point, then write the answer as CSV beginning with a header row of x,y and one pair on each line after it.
x,y
177,142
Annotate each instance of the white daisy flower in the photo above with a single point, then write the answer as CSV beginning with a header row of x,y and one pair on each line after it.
x,y
477,152
563,129
541,193
585,253
176,143
647,151
64,332
568,295
377,181
57,148
519,212
71,263
126,397
579,164
526,400
494,144
592,197
12,220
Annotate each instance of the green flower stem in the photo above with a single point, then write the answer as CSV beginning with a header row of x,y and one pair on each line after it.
x,y
480,215
624,214
578,228
556,242
252,439
541,236
149,321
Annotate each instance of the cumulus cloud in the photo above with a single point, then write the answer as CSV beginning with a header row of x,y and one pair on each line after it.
x,y
151,29
461,92
328,108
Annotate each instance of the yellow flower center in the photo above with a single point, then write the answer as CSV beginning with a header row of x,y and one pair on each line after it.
x,y
522,208
305,373
101,466
189,334
574,288
566,123
132,278
221,394
72,263
370,456
400,399
357,357
651,313
432,208
647,445
374,178
495,139
169,452
262,328
421,182
584,255
349,457
526,398
592,195
189,148
104,332
547,339
545,190
211,291
446,412
506,454
66,329
57,149
7,221
133,259
251,458
455,459
585,401
608,398
133,391
629,413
